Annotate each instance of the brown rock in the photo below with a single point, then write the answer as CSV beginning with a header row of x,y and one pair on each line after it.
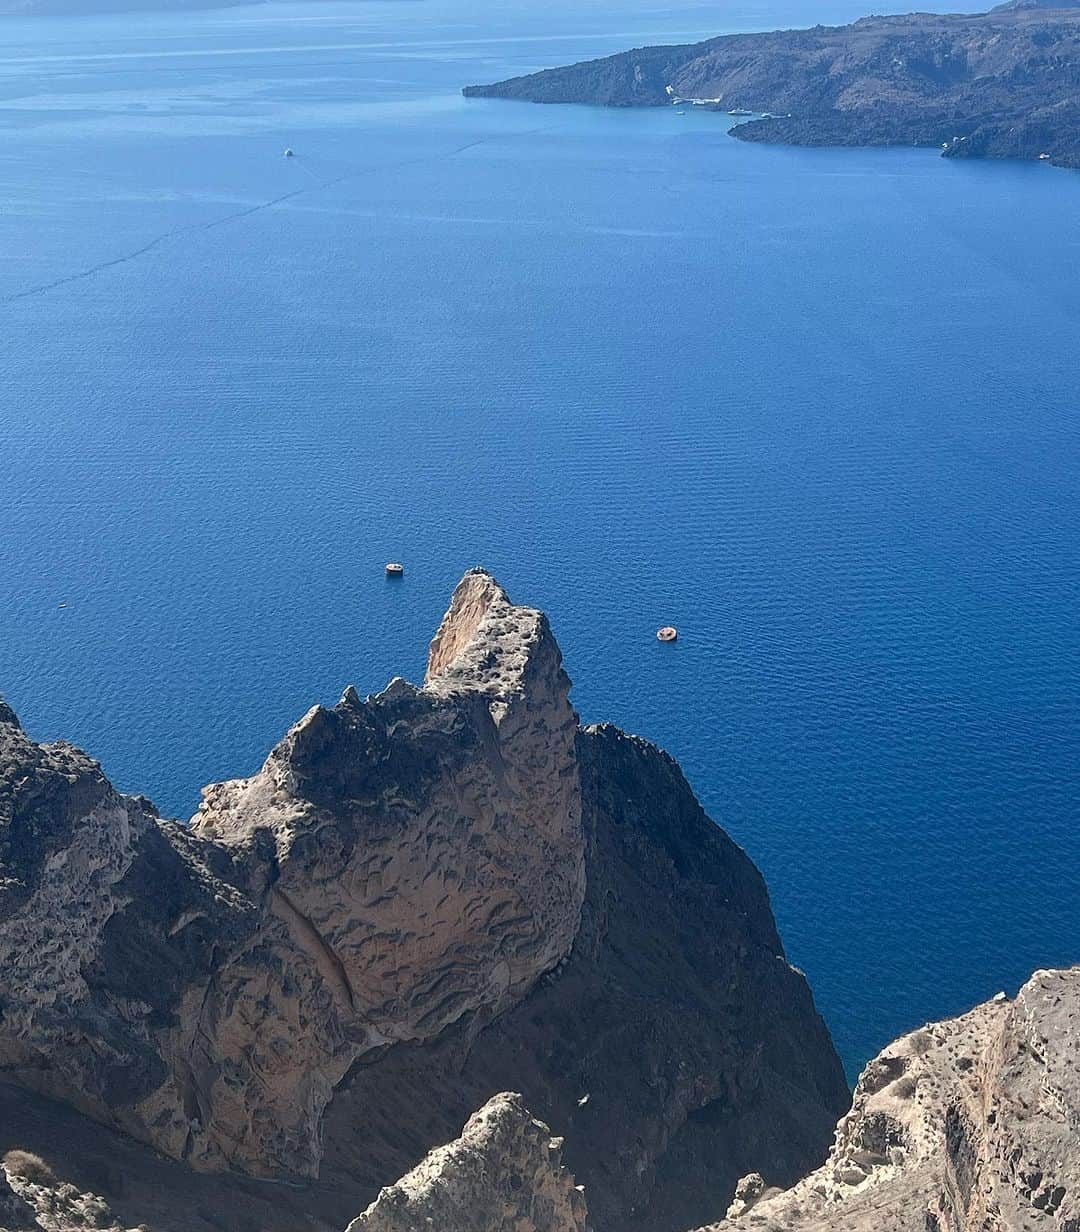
x,y
420,857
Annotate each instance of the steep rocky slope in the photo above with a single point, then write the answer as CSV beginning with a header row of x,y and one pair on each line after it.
x,y
971,1125
421,900
675,1048
1002,84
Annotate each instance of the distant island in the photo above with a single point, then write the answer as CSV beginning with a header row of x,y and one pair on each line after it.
x,y
1003,84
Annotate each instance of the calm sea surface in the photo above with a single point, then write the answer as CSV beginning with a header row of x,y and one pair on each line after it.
x,y
817,408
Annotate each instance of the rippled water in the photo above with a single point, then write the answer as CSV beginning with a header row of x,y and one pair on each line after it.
x,y
817,408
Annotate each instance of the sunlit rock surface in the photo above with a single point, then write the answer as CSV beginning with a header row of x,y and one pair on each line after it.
x,y
420,900
970,1125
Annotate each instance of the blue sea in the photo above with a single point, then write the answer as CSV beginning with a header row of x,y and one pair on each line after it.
x,y
817,408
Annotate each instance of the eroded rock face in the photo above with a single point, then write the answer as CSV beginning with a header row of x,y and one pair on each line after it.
x,y
420,853
427,843
420,900
675,1048
970,1125
397,864
107,917
504,1172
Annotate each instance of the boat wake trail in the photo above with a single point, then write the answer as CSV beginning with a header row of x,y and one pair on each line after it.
x,y
352,172
90,271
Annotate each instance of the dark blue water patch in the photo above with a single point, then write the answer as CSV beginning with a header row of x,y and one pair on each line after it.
x,y
816,408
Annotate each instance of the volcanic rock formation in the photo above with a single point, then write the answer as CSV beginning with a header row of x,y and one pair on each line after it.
x,y
504,1172
971,1125
422,899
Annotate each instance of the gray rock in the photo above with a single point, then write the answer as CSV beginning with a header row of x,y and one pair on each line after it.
x,y
504,1172
15,1214
698,1045
974,1125
420,900
33,1197
748,1191
396,865
420,859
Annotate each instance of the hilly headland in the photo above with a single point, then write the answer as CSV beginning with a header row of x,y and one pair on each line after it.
x,y
1003,84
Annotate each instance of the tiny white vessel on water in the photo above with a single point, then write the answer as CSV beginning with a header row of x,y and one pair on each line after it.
x,y
667,634
394,569
288,152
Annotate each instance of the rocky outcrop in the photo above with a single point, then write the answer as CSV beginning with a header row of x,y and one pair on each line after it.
x,y
396,864
32,1197
95,1166
421,899
420,859
1004,84
109,918
433,896
15,1214
971,1125
504,1172
675,1048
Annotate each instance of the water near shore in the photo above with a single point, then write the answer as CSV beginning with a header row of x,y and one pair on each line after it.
x,y
816,408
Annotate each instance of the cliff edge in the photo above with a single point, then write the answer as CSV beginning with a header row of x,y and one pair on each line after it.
x,y
970,1125
421,900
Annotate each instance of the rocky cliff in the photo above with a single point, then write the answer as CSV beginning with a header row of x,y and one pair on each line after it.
x,y
675,1048
397,864
1002,84
422,899
971,1125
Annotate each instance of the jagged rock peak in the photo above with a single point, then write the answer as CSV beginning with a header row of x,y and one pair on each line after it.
x,y
8,717
426,852
472,600
504,1172
487,643
348,952
486,647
